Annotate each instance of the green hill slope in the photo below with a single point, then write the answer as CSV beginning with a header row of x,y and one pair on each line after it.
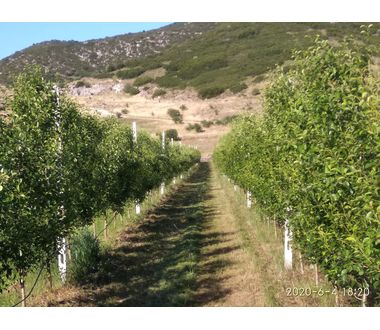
x,y
73,59
211,57
226,55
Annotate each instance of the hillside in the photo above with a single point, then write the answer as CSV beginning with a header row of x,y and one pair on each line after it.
x,y
73,59
215,70
224,57
211,57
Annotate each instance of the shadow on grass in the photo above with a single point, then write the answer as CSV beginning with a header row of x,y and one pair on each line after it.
x,y
158,261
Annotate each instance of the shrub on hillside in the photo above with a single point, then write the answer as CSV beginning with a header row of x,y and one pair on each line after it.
x,y
129,89
255,91
207,123
158,92
169,81
196,127
140,81
116,66
192,69
238,88
82,83
172,134
176,115
129,73
209,92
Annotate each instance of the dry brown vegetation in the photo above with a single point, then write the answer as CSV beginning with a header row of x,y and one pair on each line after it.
x,y
106,98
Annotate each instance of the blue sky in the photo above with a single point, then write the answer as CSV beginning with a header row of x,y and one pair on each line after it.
x,y
17,36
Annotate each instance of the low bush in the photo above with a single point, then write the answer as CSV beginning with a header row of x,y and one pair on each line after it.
x,y
82,83
169,81
256,91
238,88
158,92
129,89
172,134
192,69
129,73
183,107
196,127
176,115
209,92
116,66
140,81
207,123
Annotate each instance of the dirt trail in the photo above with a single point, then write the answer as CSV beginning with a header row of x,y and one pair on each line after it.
x,y
186,252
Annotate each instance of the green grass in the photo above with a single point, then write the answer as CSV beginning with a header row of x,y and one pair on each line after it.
x,y
116,223
264,242
12,295
156,261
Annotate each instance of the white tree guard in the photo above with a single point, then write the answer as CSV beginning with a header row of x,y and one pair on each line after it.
x,y
249,199
134,132
62,260
364,300
235,187
288,253
163,140
181,176
162,188
172,141
174,180
62,245
138,208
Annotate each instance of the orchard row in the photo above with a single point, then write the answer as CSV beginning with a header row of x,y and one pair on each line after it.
x,y
60,168
313,159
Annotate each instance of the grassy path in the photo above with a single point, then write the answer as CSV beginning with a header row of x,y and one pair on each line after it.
x,y
199,247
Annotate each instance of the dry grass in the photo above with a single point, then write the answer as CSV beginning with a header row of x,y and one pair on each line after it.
x,y
151,114
264,243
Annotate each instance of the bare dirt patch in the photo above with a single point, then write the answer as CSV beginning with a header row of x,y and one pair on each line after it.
x,y
104,98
